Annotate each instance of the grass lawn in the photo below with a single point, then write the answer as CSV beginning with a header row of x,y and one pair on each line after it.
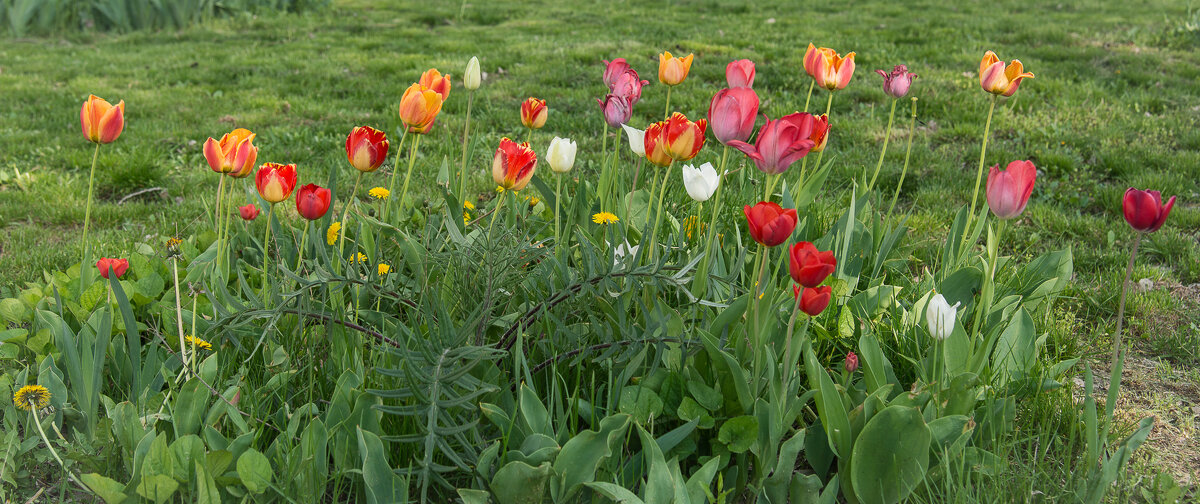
x,y
1115,103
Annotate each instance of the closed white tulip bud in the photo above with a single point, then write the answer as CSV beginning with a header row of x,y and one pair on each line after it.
x,y
940,317
471,75
561,155
637,139
701,182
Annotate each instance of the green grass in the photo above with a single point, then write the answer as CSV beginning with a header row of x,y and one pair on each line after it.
x,y
1113,105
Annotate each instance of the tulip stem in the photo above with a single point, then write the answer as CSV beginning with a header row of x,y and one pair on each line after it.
x,y
1116,359
882,154
987,129
345,212
267,256
84,270
629,202
667,111
412,157
787,345
228,221
392,181
303,245
757,300
462,174
178,310
820,155
658,215
557,205
989,282
699,285
912,123
217,220
495,212
811,85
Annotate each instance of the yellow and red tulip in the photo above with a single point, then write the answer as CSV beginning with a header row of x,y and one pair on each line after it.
x,y
683,137
829,69
419,107
102,122
366,148
673,70
820,133
434,80
999,79
234,153
275,181
655,145
513,165
534,113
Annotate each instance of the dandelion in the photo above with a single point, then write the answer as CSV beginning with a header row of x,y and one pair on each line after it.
x,y
379,193
499,189
384,269
532,200
359,258
331,236
468,205
690,226
198,343
32,397
466,218
173,247
604,218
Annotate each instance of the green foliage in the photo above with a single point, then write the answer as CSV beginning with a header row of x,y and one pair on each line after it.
x,y
43,17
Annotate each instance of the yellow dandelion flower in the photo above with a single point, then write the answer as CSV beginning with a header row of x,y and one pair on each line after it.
x,y
173,247
690,225
499,189
468,205
384,269
198,343
466,218
604,218
359,258
379,193
32,396
331,236
533,201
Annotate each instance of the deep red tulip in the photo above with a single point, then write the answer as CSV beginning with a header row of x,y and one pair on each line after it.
x,y
248,212
732,113
612,70
101,121
275,182
629,85
813,301
896,83
1008,191
513,165
809,266
770,224
366,148
118,266
780,143
312,201
851,362
740,73
617,110
1144,210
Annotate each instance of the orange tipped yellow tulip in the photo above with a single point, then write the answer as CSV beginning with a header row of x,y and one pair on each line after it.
x,y
999,79
655,144
672,70
235,153
534,113
830,70
419,107
101,121
434,80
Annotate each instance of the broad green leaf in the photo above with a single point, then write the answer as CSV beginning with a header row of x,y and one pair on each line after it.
x,y
739,433
158,488
521,483
108,489
254,470
890,456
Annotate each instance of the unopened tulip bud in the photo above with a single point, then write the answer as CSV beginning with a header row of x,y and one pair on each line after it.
x,y
471,77
561,155
851,362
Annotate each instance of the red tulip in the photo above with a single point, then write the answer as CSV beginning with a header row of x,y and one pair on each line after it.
x,y
235,153
851,362
732,113
1008,191
740,73
809,266
612,70
655,145
820,133
366,148
770,224
617,109
1144,210
439,83
629,85
780,143
813,301
896,83
312,201
683,138
248,212
117,266
513,165
101,121
275,182
533,113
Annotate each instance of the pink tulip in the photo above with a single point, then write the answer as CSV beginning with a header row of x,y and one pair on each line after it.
x,y
1144,210
780,143
896,83
629,85
612,70
617,109
1008,191
732,113
740,73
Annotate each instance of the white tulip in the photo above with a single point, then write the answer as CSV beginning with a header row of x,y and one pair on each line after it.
x,y
471,75
561,155
701,182
637,139
940,317
623,250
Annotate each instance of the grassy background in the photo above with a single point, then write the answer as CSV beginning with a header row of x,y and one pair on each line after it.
x,y
1115,103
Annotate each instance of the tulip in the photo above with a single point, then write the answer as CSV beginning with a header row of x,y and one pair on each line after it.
x,y
637,139
533,113
851,362
809,266
701,182
997,78
780,143
312,201
1144,210
672,70
248,212
629,85
513,165
234,153
561,155
820,133
102,122
471,77
117,266
1008,191
612,70
829,69
683,138
813,301
770,224
434,80
740,73
655,146
419,107
896,83
366,148
940,317
732,113
275,181
617,109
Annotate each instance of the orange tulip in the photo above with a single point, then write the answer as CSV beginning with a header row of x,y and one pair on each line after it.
x,y
672,70
101,121
683,138
997,78
830,70
275,181
513,165
434,80
235,153
533,113
655,145
419,107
